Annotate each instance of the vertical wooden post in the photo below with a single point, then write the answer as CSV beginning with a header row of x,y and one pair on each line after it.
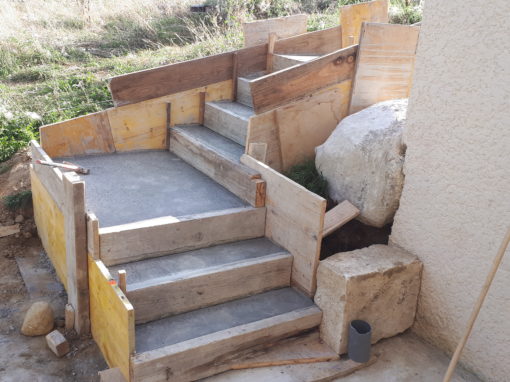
x,y
69,317
93,235
76,250
122,281
168,123
201,108
270,52
234,76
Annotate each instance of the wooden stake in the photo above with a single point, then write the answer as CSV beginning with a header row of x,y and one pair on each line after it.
x,y
168,123
270,52
201,108
122,281
69,317
234,76
477,307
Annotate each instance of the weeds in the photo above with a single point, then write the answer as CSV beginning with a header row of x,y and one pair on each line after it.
x,y
307,175
19,200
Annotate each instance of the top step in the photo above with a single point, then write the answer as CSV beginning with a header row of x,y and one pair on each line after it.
x,y
229,119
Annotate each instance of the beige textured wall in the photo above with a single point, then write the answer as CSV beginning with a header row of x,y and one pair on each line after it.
x,y
455,205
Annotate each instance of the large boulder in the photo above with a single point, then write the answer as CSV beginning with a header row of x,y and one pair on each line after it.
x,y
363,161
38,319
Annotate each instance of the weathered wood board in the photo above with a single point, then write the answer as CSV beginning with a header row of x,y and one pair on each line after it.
x,y
90,134
256,32
352,16
112,318
317,42
385,64
143,125
279,88
50,226
263,129
338,216
294,220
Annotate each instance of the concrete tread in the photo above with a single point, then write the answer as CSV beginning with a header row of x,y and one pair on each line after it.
x,y
234,108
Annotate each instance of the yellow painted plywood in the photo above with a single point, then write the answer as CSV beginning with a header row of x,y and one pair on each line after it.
x,y
112,318
50,226
352,16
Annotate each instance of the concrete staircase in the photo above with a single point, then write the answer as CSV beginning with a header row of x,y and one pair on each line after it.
x,y
224,288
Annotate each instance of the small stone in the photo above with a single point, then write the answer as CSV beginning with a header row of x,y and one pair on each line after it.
x,y
38,319
27,235
19,219
57,343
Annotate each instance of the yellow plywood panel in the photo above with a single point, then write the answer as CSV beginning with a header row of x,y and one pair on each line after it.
x,y
306,124
50,226
112,318
142,126
352,16
85,135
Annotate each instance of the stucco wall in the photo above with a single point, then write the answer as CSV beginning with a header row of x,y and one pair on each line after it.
x,y
455,205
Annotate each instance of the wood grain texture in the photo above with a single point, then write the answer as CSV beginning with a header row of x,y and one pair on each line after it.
x,y
155,237
295,220
90,134
352,16
318,42
50,177
203,356
338,216
263,129
76,250
385,65
256,32
112,318
279,88
49,220
143,126
210,287
92,235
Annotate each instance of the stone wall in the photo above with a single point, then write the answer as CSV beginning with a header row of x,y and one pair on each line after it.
x,y
455,206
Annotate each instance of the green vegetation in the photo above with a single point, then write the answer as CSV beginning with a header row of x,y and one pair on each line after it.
x,y
307,175
56,55
19,200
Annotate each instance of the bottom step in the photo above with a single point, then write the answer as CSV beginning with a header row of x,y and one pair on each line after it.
x,y
195,345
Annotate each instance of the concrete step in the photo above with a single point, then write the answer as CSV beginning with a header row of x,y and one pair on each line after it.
x,y
193,345
243,88
179,283
218,158
283,61
229,119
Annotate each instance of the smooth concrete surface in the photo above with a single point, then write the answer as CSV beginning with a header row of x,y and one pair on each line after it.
x,y
128,187
182,327
152,271
455,205
234,108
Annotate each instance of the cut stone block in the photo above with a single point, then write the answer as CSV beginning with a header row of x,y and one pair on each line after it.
x,y
379,284
57,343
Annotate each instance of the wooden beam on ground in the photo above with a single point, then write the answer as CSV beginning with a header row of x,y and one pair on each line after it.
x,y
256,32
9,230
352,16
280,88
385,64
338,216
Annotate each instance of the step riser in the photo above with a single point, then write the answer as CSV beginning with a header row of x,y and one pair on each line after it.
x,y
211,287
281,62
156,237
205,356
235,177
227,124
244,92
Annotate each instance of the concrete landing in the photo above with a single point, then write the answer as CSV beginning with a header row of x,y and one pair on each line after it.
x,y
172,330
128,187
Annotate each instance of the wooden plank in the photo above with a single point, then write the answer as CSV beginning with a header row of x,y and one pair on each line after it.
x,y
111,375
210,287
306,124
318,42
50,177
235,177
49,220
143,126
92,235
235,67
270,52
201,107
90,134
385,65
352,16
338,216
256,32
203,356
280,88
112,318
263,130
9,230
154,237
76,250
295,220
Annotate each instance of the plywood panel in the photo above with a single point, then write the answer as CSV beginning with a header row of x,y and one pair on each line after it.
x,y
294,220
142,126
86,135
279,88
256,32
306,124
313,43
385,64
112,318
262,129
50,226
352,16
